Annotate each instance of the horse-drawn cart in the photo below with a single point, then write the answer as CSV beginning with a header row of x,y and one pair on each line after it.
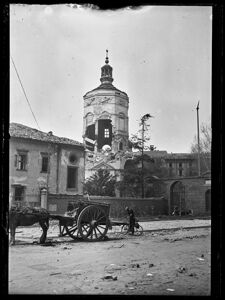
x,y
89,221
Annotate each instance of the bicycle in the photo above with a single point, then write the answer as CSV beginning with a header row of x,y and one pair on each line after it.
x,y
138,229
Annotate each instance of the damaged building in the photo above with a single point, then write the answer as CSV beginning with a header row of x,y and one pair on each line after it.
x,y
105,125
44,165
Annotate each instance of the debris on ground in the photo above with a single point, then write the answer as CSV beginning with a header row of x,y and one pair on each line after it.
x,y
135,265
193,274
166,282
131,284
151,265
109,276
55,273
181,269
112,268
149,274
117,247
170,290
47,244
200,258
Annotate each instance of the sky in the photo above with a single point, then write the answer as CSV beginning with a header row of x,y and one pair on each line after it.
x,y
161,57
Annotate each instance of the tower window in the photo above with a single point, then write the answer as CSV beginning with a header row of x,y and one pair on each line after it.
x,y
121,146
106,133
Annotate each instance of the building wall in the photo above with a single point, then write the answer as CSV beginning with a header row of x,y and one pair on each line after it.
x,y
195,189
173,167
33,179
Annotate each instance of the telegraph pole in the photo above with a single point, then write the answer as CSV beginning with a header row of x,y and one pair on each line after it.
x,y
142,158
143,119
199,170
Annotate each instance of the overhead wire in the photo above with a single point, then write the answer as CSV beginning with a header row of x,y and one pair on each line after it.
x,y
24,92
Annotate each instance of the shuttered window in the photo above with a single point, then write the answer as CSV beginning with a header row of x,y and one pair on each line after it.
x,y
21,161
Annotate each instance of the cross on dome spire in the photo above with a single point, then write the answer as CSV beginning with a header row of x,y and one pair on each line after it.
x,y
107,59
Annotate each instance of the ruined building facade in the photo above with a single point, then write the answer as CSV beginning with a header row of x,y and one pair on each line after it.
x,y
105,124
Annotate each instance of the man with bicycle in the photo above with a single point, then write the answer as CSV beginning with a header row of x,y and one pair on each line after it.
x,y
131,219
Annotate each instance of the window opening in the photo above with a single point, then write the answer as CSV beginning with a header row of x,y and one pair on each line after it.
x,y
106,133
19,193
71,178
44,167
21,160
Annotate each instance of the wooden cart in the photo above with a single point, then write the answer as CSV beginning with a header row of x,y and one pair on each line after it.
x,y
89,221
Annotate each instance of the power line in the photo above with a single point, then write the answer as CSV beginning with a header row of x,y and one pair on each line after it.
x,y
24,92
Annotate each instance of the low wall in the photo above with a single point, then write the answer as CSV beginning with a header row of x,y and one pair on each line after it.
x,y
58,203
142,207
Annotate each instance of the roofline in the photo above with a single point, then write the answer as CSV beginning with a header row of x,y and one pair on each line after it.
x,y
99,88
46,142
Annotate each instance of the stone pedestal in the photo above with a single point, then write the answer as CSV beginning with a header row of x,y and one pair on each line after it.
x,y
44,198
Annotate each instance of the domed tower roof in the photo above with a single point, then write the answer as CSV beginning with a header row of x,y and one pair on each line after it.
x,y
106,78
106,74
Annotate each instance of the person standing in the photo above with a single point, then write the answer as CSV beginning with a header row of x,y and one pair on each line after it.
x,y
131,219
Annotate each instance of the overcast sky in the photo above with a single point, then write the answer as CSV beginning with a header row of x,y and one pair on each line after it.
x,y
161,57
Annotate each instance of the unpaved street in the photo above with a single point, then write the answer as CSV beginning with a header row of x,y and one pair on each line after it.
x,y
157,263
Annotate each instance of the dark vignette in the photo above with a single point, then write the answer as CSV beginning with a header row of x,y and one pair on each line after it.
x,y
217,137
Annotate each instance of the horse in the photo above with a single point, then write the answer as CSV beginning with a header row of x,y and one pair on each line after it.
x,y
27,216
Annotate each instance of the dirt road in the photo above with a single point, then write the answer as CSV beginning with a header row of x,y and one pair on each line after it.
x,y
157,263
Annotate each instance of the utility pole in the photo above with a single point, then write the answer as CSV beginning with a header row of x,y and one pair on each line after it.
x,y
199,170
49,134
142,159
143,120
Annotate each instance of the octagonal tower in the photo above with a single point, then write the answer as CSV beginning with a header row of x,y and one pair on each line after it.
x,y
105,121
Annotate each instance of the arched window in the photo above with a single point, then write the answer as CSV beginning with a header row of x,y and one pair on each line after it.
x,y
89,119
121,146
121,121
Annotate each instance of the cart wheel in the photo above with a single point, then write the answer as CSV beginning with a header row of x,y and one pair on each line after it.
x,y
62,230
138,230
72,231
92,223
124,229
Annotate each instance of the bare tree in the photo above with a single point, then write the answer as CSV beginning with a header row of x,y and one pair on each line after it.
x,y
205,144
205,140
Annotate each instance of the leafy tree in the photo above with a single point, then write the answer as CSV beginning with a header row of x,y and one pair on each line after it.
x,y
101,183
138,143
131,183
